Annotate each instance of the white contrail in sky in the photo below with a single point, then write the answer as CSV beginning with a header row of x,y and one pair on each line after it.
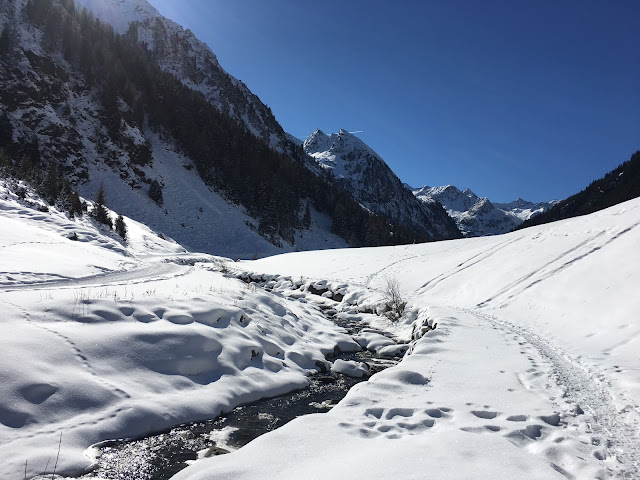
x,y
357,131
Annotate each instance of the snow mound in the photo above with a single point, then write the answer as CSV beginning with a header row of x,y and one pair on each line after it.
x,y
350,368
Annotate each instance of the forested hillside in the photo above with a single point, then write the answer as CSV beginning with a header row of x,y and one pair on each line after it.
x,y
615,187
79,61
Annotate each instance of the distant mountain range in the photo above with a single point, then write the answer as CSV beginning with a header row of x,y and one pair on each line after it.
x,y
140,106
478,216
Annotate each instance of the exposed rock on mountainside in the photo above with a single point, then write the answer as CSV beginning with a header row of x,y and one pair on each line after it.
x,y
477,216
361,172
177,142
179,52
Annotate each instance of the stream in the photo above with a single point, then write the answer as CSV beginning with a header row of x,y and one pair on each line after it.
x,y
162,455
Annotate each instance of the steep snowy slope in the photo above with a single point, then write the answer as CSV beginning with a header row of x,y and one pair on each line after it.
x,y
194,213
362,173
477,216
532,371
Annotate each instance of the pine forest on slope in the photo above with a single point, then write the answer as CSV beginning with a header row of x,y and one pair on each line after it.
x,y
617,186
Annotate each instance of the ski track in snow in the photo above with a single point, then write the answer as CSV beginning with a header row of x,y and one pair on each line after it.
x,y
587,389
582,250
470,262
143,274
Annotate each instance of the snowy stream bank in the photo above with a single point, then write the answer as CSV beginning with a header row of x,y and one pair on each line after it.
x,y
162,455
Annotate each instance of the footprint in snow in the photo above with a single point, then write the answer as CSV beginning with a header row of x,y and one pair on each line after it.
x,y
396,422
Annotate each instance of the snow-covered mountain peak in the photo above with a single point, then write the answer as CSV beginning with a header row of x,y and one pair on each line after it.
x,y
449,195
317,142
363,173
342,144
477,216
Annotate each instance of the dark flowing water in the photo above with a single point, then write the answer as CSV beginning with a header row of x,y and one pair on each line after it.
x,y
162,455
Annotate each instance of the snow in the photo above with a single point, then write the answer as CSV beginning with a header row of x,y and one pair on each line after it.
x,y
193,63
531,371
360,171
105,339
195,214
350,368
342,153
120,13
523,362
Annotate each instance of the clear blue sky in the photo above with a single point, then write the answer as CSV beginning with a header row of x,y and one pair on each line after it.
x,y
509,98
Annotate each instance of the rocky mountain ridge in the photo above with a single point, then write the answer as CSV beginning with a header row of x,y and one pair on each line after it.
x,y
478,216
365,175
181,53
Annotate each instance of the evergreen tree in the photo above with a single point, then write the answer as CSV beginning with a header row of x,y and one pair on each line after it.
x,y
51,185
5,42
75,205
155,192
306,220
121,227
100,212
6,131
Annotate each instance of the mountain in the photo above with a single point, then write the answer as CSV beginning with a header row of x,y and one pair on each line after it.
x,y
524,209
179,52
619,185
144,108
362,173
478,216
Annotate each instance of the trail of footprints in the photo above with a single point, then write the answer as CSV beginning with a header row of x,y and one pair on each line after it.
x,y
519,435
395,423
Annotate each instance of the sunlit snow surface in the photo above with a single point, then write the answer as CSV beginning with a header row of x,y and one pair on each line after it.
x,y
103,339
532,371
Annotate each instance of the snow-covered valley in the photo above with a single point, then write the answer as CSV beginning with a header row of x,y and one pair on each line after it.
x,y
531,372
135,344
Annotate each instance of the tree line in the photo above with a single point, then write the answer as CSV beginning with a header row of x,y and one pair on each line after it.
x,y
617,186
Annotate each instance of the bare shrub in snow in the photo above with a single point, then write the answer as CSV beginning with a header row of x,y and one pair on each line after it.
x,y
395,303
